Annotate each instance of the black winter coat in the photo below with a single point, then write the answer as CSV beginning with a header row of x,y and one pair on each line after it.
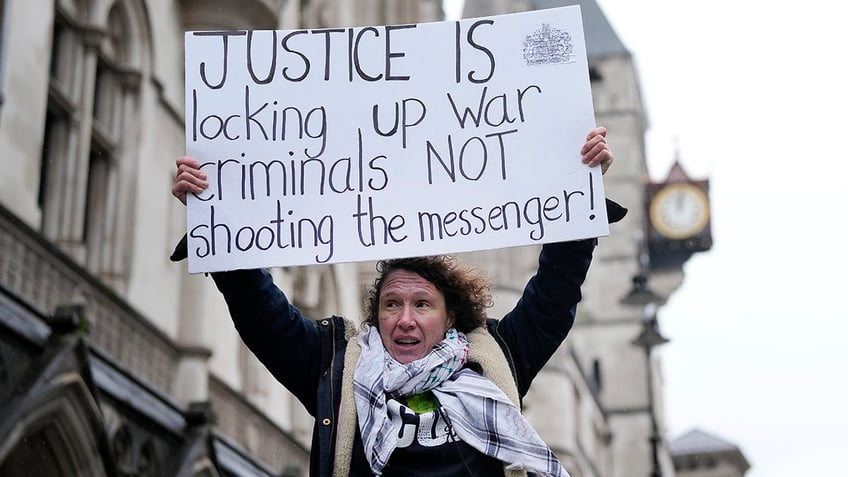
x,y
307,356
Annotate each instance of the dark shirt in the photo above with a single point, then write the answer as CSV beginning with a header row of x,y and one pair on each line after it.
x,y
426,447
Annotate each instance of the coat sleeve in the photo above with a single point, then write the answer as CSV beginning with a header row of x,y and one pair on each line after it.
x,y
544,315
281,337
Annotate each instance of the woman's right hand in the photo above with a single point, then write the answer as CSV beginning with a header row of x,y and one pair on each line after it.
x,y
189,179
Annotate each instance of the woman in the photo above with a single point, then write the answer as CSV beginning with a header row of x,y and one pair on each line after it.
x,y
427,385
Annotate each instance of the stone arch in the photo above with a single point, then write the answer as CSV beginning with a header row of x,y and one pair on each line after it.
x,y
57,433
129,20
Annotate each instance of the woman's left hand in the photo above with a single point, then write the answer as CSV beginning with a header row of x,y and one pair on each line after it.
x,y
595,150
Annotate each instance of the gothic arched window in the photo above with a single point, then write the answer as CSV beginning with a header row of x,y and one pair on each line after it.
x,y
87,163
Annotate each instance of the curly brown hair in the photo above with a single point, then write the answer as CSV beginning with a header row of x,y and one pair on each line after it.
x,y
467,292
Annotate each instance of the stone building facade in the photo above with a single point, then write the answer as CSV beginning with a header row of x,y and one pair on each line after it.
x,y
115,361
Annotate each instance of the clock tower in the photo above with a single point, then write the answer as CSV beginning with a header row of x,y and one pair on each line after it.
x,y
678,215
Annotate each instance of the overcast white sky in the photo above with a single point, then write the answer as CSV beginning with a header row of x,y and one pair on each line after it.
x,y
755,94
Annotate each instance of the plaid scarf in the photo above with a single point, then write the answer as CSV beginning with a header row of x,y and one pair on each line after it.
x,y
479,413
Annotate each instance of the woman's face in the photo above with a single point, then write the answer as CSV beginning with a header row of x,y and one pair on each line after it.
x,y
412,315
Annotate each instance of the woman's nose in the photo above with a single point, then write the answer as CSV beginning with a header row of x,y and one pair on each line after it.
x,y
406,318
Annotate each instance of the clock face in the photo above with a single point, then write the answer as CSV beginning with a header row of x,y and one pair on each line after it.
x,y
679,211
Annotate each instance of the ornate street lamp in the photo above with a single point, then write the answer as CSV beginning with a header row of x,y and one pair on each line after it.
x,y
648,338
640,294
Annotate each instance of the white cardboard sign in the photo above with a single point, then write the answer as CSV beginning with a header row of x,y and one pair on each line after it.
x,y
351,144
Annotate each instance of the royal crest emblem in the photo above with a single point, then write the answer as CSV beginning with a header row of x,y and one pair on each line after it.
x,y
547,46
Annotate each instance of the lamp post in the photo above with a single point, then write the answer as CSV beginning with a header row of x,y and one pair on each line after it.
x,y
647,339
